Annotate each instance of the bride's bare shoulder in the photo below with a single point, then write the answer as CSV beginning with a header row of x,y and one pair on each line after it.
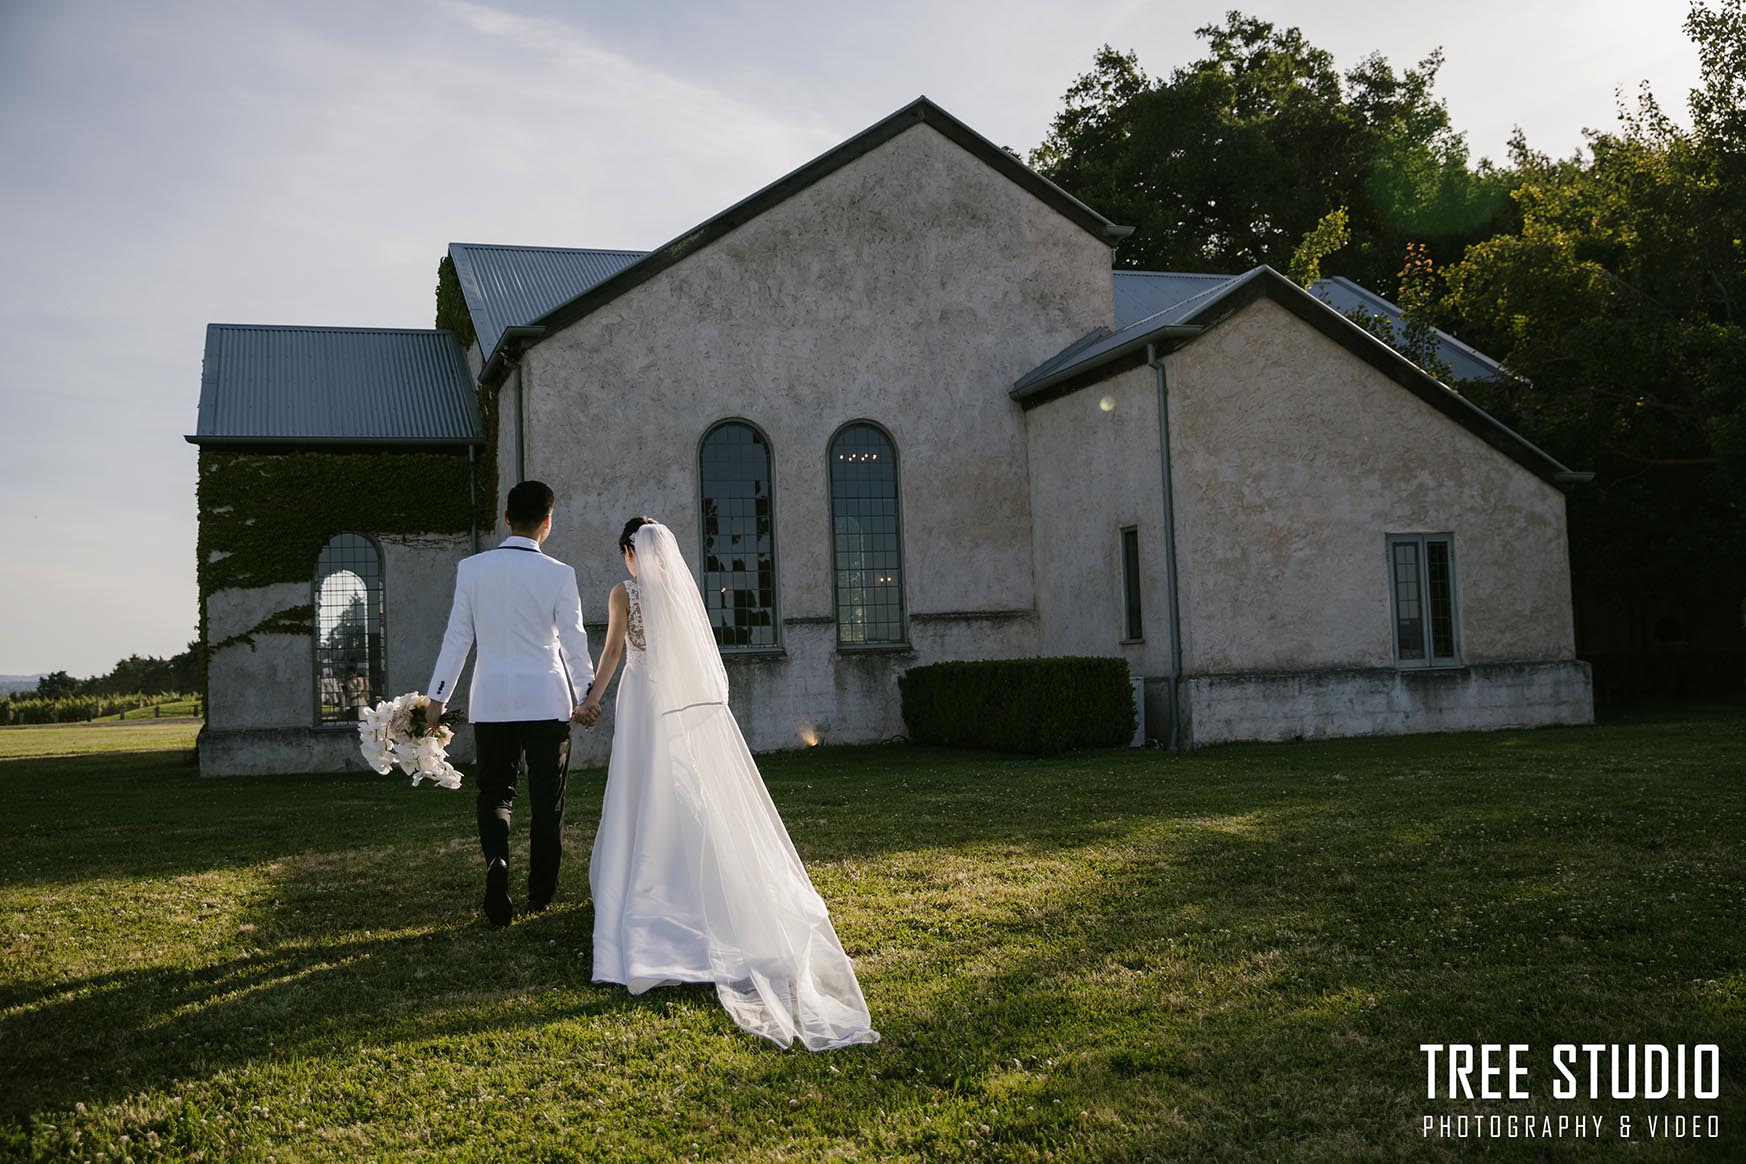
x,y
619,596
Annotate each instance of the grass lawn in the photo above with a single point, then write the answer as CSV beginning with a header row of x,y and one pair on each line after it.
x,y
1232,954
37,741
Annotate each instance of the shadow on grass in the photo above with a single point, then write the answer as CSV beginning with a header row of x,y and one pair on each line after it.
x,y
76,818
1257,986
319,875
98,1038
1260,938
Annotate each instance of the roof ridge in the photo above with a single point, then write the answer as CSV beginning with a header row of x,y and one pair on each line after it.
x,y
540,247
1172,274
332,327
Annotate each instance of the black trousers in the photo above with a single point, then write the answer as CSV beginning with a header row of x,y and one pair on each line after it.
x,y
545,743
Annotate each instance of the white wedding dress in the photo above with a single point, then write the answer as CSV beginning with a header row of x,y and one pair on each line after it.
x,y
694,876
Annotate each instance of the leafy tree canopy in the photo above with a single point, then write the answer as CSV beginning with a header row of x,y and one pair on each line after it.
x,y
1237,156
1619,299
144,674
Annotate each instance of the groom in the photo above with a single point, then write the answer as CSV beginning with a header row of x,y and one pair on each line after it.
x,y
532,673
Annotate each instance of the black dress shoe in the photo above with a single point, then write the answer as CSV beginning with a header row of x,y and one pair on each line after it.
x,y
536,906
498,907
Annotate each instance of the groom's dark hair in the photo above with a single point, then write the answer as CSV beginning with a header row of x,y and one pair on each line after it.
x,y
528,505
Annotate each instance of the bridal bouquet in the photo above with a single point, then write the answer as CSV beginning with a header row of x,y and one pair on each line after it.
x,y
396,732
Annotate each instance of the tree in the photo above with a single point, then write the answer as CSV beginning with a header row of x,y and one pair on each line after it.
x,y
1619,300
1327,236
143,674
185,669
57,685
1238,156
1417,298
1414,338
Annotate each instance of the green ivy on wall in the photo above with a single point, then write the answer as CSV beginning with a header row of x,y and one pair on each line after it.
x,y
265,516
452,310
453,314
293,620
486,510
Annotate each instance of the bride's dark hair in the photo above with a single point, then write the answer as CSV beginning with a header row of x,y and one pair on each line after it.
x,y
631,527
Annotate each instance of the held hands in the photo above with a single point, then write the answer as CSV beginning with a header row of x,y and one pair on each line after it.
x,y
588,710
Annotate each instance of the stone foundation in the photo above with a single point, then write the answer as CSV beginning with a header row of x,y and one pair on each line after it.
x,y
1382,701
282,750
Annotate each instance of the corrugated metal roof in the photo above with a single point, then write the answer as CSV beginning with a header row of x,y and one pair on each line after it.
x,y
1465,363
1164,292
507,286
1088,352
323,384
1142,293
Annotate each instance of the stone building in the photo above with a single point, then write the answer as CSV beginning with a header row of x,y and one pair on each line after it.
x,y
340,479
900,409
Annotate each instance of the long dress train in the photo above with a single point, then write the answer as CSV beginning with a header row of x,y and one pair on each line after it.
x,y
695,878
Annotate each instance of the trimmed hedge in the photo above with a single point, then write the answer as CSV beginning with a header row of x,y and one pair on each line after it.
x,y
1038,706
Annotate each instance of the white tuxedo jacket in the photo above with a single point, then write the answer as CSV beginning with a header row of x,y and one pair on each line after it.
x,y
523,611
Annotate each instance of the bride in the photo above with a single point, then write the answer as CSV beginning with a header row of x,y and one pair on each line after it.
x,y
694,876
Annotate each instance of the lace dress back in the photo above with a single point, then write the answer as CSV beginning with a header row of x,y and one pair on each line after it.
x,y
633,635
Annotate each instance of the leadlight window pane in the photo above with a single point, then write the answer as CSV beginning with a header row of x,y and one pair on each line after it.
x,y
867,538
739,536
350,674
1131,582
1409,619
1442,598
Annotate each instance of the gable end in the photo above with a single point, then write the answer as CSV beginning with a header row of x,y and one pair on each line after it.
x,y
921,111
1396,367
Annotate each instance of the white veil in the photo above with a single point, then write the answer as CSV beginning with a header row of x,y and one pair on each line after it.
x,y
686,669
779,969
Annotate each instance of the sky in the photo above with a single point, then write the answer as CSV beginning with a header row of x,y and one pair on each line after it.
x,y
168,165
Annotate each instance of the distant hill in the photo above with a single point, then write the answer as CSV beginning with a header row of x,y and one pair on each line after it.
x,y
12,683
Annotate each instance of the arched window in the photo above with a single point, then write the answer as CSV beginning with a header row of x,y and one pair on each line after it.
x,y
866,537
349,671
739,536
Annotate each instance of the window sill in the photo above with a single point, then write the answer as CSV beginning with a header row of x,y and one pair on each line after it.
x,y
754,653
875,649
1414,668
1131,642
